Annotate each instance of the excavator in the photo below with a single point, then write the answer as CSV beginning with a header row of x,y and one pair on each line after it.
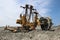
x,y
25,20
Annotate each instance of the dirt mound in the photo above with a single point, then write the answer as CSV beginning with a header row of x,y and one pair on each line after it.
x,y
32,35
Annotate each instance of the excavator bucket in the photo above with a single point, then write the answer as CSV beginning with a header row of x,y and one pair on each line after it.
x,y
12,29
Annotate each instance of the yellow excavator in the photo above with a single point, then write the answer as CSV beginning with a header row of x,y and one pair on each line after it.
x,y
27,17
45,23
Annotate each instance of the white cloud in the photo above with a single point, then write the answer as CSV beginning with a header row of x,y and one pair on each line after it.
x,y
10,9
9,12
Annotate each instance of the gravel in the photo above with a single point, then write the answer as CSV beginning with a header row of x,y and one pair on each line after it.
x,y
32,35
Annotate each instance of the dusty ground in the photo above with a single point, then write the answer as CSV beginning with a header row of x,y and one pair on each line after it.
x,y
33,35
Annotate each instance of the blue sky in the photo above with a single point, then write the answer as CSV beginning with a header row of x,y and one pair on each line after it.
x,y
55,12
10,10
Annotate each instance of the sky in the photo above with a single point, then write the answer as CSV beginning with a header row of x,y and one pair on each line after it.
x,y
10,10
